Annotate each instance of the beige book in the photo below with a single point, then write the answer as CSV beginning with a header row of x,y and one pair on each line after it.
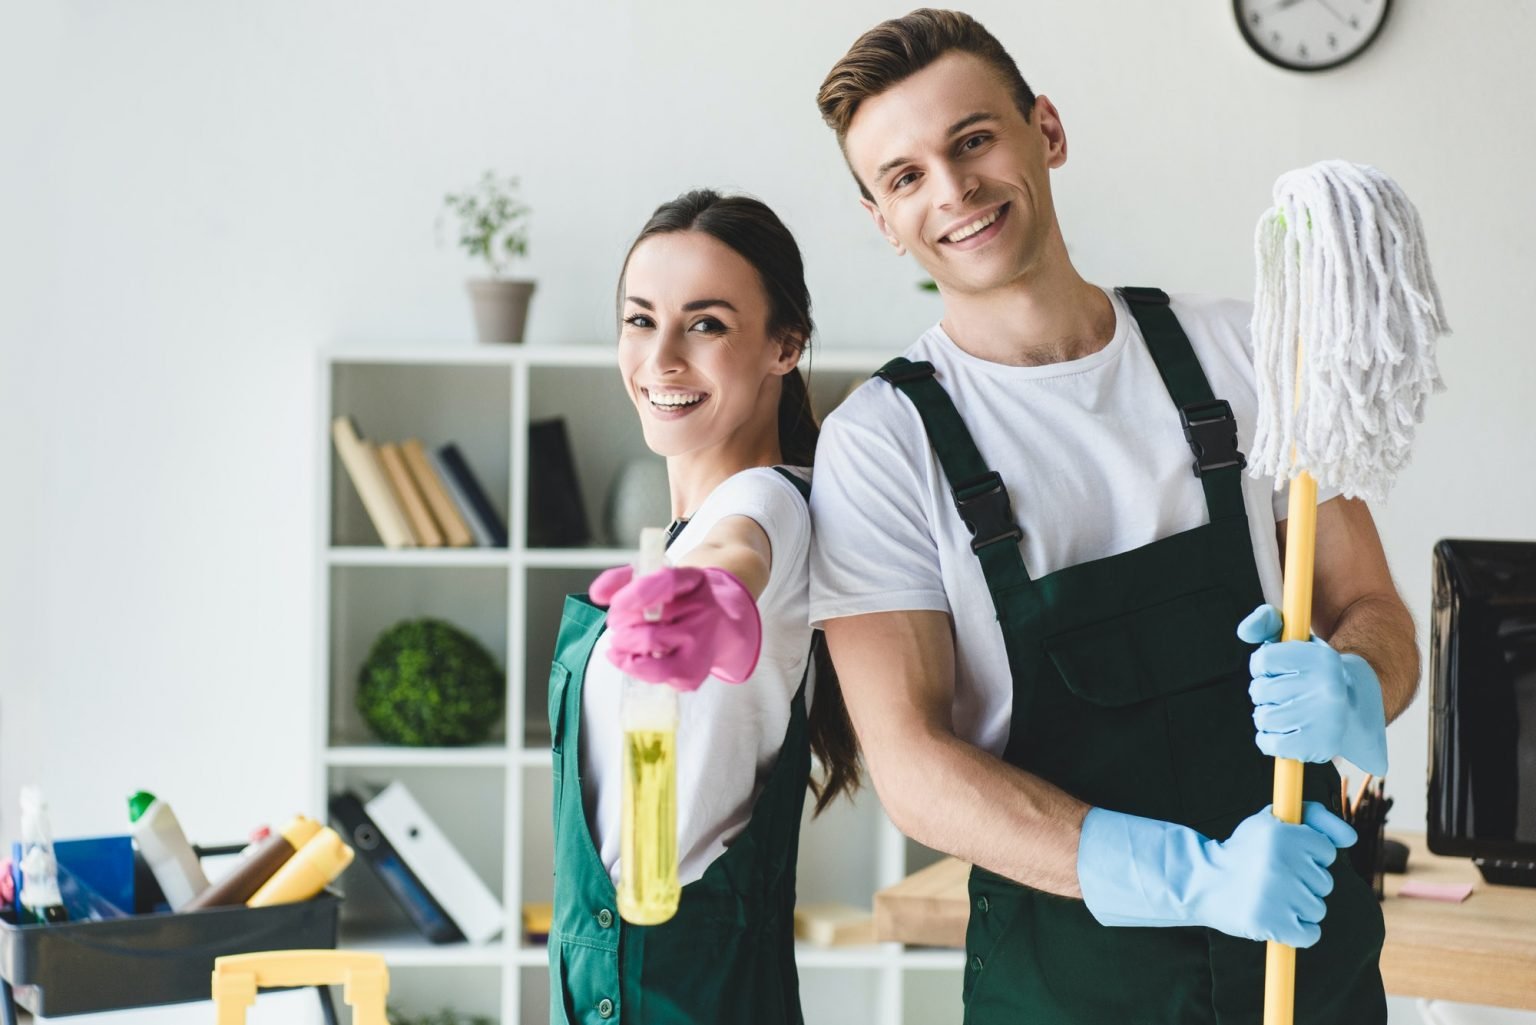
x,y
834,925
422,525
363,467
455,530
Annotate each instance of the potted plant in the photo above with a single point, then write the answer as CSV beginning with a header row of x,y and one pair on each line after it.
x,y
493,226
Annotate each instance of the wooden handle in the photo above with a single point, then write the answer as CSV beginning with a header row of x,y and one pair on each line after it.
x,y
1300,548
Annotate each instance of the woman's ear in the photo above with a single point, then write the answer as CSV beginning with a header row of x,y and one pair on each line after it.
x,y
791,347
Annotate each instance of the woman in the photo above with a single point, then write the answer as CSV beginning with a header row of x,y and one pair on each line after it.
x,y
714,316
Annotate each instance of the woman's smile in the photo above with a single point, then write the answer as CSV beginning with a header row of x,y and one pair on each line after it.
x,y
673,403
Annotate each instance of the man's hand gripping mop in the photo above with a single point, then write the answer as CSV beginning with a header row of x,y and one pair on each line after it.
x,y
1346,314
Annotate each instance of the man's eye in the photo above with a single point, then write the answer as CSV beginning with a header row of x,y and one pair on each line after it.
x,y
905,180
638,320
975,141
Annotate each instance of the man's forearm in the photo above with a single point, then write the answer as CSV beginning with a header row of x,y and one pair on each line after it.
x,y
1380,630
957,798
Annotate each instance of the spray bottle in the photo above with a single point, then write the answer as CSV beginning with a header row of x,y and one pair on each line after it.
x,y
39,899
648,886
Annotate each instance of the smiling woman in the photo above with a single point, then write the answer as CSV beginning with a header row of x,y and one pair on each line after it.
x,y
714,316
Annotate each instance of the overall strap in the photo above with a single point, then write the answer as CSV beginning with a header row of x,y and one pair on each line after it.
x,y
981,498
801,485
1209,426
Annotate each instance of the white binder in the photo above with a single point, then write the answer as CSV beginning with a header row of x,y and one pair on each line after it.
x,y
437,863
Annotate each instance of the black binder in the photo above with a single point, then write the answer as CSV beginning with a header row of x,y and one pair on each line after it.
x,y
358,829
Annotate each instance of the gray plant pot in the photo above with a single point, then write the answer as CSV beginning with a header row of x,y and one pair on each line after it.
x,y
501,309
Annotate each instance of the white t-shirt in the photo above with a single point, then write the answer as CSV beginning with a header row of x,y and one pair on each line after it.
x,y
1095,461
728,735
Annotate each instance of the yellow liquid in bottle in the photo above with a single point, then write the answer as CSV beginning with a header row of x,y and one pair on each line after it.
x,y
648,887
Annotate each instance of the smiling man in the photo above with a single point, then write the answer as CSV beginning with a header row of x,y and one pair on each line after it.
x,y
1043,573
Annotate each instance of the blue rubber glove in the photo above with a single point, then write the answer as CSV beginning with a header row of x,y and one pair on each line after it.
x,y
1311,703
1267,881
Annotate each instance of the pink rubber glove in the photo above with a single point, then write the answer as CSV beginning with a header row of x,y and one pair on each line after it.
x,y
709,625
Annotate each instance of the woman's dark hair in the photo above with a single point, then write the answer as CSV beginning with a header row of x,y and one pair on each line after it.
x,y
757,235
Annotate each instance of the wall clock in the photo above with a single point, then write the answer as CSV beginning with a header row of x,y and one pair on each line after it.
x,y
1310,35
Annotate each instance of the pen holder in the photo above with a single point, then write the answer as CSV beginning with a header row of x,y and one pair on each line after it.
x,y
1367,855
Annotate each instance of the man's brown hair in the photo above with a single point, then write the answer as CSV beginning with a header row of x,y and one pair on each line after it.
x,y
897,49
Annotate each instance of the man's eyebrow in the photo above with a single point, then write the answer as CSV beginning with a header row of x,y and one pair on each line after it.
x,y
954,129
968,121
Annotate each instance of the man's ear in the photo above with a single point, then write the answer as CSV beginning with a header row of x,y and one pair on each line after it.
x,y
1047,119
881,226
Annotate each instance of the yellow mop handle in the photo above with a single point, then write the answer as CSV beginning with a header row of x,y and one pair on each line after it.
x,y
1300,545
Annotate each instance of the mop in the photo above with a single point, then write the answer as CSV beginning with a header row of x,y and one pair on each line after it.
x,y
1345,318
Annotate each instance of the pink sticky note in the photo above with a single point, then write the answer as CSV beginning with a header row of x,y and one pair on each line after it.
x,y
1452,893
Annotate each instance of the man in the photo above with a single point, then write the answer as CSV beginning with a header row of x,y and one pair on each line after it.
x,y
1037,560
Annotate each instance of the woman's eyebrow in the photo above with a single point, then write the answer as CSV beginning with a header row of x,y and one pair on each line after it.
x,y
704,304
644,304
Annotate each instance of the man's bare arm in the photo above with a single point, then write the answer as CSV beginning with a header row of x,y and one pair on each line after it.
x,y
897,671
1355,605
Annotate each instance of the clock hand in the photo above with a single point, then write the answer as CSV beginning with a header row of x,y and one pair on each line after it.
x,y
1284,4
1333,11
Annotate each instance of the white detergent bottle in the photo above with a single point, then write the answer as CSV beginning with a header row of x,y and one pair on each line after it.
x,y
165,847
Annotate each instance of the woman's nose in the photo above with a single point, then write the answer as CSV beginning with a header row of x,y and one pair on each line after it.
x,y
667,357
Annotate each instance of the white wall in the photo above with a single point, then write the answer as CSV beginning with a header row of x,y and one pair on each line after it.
x,y
194,197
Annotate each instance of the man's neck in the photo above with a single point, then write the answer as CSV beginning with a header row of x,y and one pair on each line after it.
x,y
1051,318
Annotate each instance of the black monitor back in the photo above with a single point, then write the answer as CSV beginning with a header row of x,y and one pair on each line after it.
x,y
1482,764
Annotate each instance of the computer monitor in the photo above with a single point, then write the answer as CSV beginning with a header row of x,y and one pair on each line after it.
x,y
1482,691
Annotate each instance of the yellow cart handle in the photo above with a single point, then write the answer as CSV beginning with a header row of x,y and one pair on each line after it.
x,y
237,977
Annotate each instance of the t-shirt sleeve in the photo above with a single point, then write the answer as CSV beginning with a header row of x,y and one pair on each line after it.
x,y
872,549
1282,499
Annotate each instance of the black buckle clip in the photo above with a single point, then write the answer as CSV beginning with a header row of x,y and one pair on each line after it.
x,y
987,513
1211,431
903,374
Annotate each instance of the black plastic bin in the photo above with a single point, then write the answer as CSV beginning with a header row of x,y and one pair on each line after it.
x,y
145,960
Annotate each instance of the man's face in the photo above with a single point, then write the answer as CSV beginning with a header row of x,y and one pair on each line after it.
x,y
959,177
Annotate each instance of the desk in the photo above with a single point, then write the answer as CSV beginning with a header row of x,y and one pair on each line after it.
x,y
1481,951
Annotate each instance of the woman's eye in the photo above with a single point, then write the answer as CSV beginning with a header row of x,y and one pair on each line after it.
x,y
708,326
638,320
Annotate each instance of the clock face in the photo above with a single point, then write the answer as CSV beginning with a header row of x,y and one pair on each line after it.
x,y
1310,35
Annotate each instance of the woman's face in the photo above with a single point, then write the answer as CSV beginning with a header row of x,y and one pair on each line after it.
x,y
694,348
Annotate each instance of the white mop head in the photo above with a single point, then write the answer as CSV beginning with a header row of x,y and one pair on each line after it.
x,y
1343,272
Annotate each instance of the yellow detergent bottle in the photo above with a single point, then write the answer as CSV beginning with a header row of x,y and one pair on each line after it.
x,y
648,887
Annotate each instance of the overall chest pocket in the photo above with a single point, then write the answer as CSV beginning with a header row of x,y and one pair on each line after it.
x,y
1167,648
559,679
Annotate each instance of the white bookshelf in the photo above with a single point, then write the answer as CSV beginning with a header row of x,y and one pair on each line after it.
x,y
493,800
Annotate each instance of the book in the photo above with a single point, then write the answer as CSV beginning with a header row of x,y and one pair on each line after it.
x,y
355,825
422,525
437,863
455,530
477,529
834,925
471,497
556,516
362,466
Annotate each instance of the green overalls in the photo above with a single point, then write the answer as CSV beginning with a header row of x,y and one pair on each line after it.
x,y
1130,692
729,953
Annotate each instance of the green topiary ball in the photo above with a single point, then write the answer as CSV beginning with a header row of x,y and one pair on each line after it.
x,y
429,684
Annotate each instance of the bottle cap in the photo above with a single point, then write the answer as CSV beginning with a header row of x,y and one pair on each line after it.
x,y
138,804
300,830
